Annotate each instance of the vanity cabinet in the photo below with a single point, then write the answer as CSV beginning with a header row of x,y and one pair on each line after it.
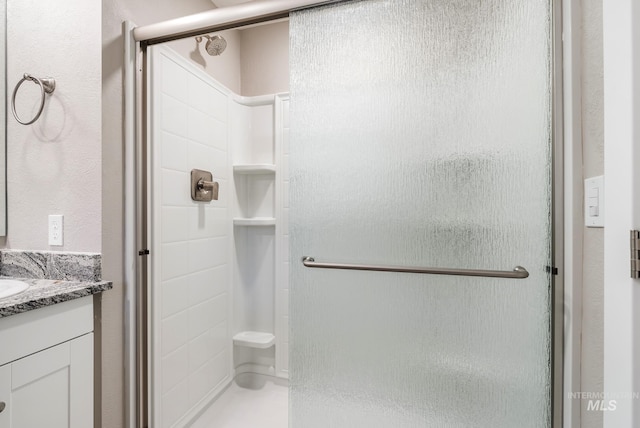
x,y
46,371
51,388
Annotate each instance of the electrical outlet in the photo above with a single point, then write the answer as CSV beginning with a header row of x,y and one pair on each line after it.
x,y
56,230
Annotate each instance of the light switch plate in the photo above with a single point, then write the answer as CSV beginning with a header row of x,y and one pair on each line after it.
x,y
594,201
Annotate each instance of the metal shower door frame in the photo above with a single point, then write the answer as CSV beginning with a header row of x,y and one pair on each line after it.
x,y
138,211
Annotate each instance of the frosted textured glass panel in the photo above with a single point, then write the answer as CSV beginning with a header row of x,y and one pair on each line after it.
x,y
421,136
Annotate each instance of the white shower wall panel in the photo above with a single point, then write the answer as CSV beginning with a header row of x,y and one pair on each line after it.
x,y
258,192
254,249
259,292
262,135
240,131
211,279
283,262
254,291
190,278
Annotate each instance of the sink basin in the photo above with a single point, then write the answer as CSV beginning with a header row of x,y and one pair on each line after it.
x,y
10,287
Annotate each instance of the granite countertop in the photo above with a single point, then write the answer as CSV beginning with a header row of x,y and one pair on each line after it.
x,y
46,292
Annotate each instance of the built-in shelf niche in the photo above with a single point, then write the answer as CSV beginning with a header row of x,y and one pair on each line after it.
x,y
255,169
254,339
255,187
254,221
256,195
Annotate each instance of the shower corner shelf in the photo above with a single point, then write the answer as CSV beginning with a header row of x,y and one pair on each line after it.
x,y
254,221
254,339
254,169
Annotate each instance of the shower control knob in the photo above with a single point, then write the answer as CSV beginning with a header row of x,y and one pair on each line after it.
x,y
2,406
209,186
203,188
214,191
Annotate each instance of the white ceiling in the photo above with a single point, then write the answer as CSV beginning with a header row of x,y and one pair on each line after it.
x,y
225,3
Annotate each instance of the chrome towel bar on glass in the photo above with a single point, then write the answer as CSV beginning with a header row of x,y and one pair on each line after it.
x,y
47,86
517,273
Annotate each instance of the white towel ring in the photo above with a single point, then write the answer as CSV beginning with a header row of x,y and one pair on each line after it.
x,y
47,85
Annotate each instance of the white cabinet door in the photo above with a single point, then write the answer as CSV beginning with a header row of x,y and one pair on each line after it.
x,y
52,388
5,396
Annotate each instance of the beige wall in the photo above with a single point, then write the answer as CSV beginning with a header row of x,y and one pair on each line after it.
x,y
112,406
54,165
592,365
265,59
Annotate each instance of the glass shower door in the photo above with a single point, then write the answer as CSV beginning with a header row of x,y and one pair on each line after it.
x,y
421,136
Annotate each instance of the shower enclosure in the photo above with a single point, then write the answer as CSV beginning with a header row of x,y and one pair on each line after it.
x,y
414,178
421,136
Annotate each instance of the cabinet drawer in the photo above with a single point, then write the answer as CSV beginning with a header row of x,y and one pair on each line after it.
x,y
43,328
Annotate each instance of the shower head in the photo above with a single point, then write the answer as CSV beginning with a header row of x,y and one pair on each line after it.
x,y
215,44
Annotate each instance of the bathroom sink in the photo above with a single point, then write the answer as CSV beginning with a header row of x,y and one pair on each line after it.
x,y
11,287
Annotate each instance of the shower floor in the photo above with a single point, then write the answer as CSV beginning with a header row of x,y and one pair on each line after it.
x,y
251,401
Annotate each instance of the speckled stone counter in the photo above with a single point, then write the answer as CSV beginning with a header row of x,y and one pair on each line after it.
x,y
46,292
51,265
53,277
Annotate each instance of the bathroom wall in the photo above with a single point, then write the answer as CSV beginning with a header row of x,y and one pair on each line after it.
x,y
593,252
54,166
265,59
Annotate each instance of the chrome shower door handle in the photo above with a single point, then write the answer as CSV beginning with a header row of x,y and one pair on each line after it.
x,y
517,273
203,188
